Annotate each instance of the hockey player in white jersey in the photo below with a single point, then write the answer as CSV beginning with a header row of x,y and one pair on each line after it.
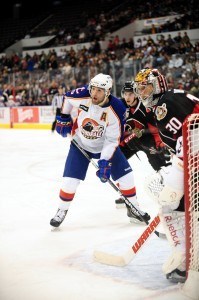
x,y
98,129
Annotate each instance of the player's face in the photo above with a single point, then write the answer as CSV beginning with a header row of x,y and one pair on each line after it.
x,y
60,90
97,95
130,99
145,90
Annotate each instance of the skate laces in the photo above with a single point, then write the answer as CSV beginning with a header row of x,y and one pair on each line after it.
x,y
60,215
140,212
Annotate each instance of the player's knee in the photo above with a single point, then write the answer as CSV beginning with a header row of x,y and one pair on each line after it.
x,y
69,185
126,181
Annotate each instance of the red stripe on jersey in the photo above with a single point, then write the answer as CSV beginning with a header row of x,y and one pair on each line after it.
x,y
196,109
154,131
66,196
129,193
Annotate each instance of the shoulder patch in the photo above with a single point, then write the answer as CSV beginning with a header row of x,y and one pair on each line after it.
x,y
83,107
161,112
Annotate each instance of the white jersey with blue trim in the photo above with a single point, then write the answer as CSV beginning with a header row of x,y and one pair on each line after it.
x,y
97,129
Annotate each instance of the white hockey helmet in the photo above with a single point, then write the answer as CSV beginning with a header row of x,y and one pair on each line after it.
x,y
159,86
102,81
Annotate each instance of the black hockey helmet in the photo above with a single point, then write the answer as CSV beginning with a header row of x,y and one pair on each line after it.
x,y
127,87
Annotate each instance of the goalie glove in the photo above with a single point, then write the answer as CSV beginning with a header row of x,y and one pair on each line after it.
x,y
104,171
64,125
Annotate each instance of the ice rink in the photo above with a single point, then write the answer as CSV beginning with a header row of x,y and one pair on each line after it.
x,y
38,262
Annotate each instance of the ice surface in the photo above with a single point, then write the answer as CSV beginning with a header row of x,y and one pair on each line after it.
x,y
38,262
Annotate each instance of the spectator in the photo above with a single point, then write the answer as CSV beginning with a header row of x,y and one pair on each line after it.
x,y
195,88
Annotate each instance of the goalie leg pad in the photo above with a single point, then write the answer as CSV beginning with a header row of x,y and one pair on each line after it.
x,y
175,261
166,187
174,225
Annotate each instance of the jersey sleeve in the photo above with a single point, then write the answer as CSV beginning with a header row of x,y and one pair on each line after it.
x,y
115,129
73,99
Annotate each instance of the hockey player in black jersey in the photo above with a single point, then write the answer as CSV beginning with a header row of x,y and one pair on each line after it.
x,y
141,133
170,109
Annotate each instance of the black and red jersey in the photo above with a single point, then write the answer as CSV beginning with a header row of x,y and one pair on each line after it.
x,y
170,112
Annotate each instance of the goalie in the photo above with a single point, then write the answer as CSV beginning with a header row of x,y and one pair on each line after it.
x,y
166,187
141,133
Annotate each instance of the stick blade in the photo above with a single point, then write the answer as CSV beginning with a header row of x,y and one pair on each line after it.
x,y
113,259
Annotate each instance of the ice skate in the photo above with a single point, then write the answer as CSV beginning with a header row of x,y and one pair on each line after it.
x,y
58,218
136,218
120,203
176,276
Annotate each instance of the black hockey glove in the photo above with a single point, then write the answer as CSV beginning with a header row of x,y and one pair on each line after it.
x,y
164,152
159,157
132,141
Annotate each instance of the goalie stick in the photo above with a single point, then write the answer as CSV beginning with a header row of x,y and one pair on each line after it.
x,y
133,209
123,260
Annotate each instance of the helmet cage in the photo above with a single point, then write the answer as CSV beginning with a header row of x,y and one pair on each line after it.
x,y
158,81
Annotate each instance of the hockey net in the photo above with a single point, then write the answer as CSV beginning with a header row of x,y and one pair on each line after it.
x,y
191,171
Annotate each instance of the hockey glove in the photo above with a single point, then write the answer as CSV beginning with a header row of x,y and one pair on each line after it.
x,y
64,125
164,152
132,141
104,171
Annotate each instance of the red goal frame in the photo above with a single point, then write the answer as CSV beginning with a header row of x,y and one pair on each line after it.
x,y
191,187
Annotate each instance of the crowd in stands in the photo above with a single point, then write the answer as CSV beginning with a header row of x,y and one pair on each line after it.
x,y
100,26
33,79
72,23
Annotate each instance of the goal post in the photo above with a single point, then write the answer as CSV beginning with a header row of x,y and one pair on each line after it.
x,y
191,186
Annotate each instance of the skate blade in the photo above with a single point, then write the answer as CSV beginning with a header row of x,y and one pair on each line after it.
x,y
136,221
177,280
55,229
118,206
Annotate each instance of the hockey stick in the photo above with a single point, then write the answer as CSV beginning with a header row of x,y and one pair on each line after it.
x,y
133,209
124,259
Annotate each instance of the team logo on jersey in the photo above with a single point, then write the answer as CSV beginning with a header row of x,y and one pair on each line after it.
x,y
91,130
83,107
161,112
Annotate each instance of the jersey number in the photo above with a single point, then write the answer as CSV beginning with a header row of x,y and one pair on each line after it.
x,y
174,125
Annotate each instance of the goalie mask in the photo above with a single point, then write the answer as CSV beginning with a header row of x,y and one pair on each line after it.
x,y
102,81
149,85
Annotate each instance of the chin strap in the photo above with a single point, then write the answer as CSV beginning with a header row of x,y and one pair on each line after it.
x,y
107,94
101,104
